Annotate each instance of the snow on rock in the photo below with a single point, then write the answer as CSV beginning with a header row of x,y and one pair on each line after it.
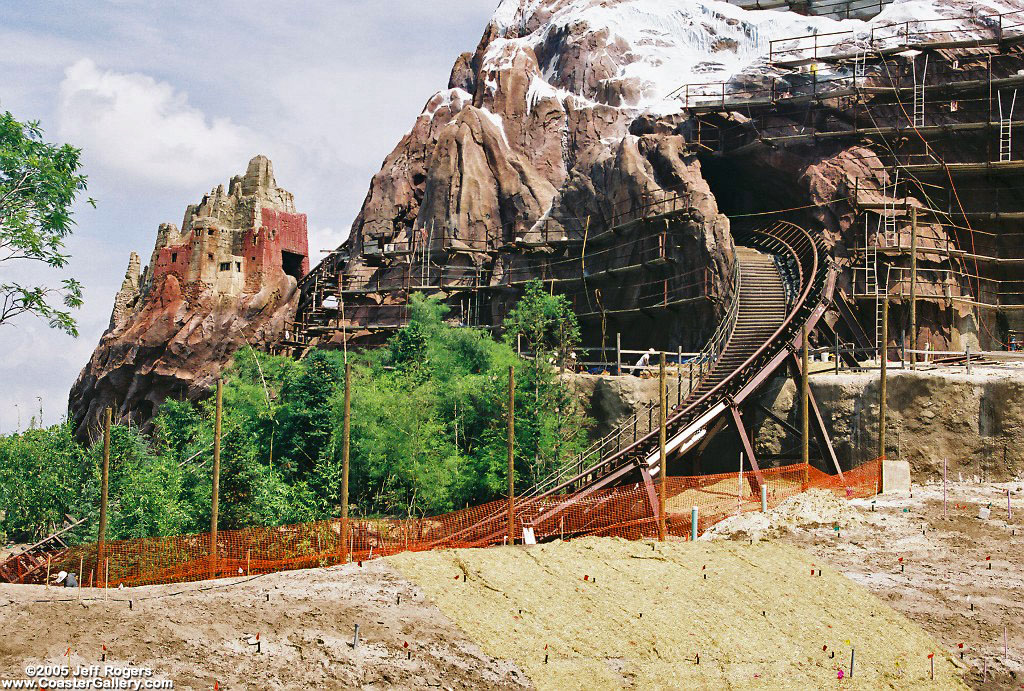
x,y
661,44
455,99
816,507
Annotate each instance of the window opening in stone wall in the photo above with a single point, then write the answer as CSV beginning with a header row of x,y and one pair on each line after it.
x,y
225,266
291,262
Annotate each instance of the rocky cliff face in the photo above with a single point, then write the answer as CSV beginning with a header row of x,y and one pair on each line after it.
x,y
574,116
225,279
557,127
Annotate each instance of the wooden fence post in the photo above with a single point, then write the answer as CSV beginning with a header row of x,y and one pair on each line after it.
x,y
215,498
345,437
104,486
662,487
511,453
882,397
805,456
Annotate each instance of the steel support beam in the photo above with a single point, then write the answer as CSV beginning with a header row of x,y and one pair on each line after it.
x,y
779,419
652,493
579,496
748,448
824,441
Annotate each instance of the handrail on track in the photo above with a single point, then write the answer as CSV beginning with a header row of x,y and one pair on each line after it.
x,y
784,237
814,272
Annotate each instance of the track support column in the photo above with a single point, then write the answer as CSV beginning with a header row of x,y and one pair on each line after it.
x,y
755,479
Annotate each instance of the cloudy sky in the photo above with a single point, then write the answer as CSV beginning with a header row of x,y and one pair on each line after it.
x,y
167,100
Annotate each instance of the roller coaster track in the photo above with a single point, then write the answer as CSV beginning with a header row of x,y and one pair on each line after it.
x,y
783,283
786,281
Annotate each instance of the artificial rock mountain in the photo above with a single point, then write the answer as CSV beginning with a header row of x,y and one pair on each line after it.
x,y
544,139
570,118
561,125
224,280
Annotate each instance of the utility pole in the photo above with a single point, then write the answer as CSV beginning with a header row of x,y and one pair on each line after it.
x,y
882,386
511,453
913,287
346,429
805,452
104,485
662,414
215,499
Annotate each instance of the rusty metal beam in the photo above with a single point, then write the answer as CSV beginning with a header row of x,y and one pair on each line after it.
x,y
822,433
652,493
823,439
748,448
779,419
579,496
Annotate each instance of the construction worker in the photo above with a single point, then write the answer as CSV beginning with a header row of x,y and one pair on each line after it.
x,y
66,579
644,362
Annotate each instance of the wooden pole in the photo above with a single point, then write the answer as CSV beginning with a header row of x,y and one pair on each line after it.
x,y
679,375
81,583
805,425
345,439
663,484
104,486
882,398
215,498
913,287
511,453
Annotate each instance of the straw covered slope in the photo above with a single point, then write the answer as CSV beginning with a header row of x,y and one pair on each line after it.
x,y
612,613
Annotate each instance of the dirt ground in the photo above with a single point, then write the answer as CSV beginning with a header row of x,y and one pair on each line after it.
x,y
960,577
598,613
603,613
201,633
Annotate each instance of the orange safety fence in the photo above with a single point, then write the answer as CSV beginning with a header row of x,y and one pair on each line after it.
x,y
624,511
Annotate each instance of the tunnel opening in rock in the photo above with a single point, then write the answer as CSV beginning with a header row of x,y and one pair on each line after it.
x,y
741,188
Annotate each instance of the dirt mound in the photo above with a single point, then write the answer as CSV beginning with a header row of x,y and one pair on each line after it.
x,y
609,613
816,507
199,634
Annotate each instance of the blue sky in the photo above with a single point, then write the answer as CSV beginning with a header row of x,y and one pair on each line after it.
x,y
168,100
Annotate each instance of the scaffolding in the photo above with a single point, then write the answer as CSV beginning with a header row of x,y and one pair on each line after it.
x,y
935,108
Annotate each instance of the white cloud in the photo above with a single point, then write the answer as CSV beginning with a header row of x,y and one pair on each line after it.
x,y
134,124
324,239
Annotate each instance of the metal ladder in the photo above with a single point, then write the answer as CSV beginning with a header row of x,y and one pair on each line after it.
x,y
859,65
1006,127
892,237
919,93
871,284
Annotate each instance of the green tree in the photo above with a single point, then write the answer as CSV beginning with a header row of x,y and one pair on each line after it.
x,y
550,331
44,474
39,182
306,413
428,436
144,492
545,323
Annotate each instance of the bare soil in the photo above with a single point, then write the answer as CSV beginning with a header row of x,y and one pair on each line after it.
x,y
591,613
200,633
598,613
960,576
